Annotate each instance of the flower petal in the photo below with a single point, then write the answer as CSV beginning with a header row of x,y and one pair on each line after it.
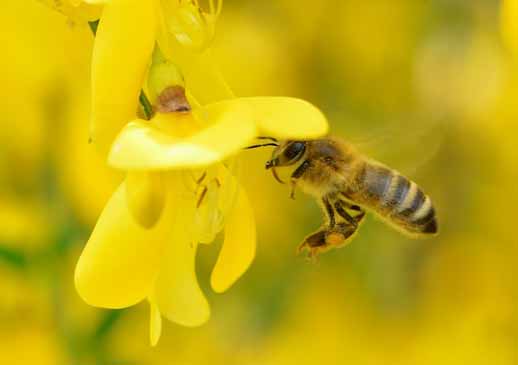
x,y
155,323
228,193
217,195
283,117
75,10
120,260
202,75
122,50
188,24
238,249
146,196
141,146
176,290
208,218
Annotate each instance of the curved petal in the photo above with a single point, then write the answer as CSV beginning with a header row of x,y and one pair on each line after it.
x,y
190,26
141,146
155,323
218,192
120,260
185,35
203,78
146,196
283,117
177,293
122,50
238,249
228,192
208,218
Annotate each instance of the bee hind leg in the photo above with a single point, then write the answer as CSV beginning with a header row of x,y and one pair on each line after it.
x,y
327,238
313,243
330,212
340,235
341,207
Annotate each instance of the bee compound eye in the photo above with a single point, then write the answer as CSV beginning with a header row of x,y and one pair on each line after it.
x,y
294,150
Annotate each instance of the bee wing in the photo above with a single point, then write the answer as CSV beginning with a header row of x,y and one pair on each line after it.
x,y
404,146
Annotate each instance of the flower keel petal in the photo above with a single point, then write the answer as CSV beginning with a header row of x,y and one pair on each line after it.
x,y
155,323
238,249
176,290
119,262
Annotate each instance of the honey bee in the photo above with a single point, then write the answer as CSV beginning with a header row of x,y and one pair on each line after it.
x,y
347,184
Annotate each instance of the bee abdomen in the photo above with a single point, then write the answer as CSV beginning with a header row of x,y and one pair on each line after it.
x,y
398,199
410,207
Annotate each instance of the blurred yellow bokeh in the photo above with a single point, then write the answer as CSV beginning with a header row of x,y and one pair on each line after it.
x,y
431,87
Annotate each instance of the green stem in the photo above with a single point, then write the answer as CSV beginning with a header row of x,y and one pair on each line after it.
x,y
147,108
146,105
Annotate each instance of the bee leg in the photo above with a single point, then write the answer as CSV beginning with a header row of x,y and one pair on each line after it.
x,y
339,206
330,212
312,241
339,236
299,171
315,243
359,217
293,186
327,238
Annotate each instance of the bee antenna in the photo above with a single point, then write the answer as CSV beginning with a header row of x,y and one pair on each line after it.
x,y
261,145
269,138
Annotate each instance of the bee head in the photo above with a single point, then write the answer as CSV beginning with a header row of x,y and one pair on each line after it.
x,y
286,154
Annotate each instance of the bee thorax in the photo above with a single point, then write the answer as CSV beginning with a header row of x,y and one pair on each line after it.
x,y
321,182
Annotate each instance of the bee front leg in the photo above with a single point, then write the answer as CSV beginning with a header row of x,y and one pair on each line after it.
x,y
293,186
297,174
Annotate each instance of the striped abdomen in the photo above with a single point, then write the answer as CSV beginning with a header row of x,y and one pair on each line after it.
x,y
395,198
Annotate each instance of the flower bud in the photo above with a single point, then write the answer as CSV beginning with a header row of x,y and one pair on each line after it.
x,y
189,25
162,75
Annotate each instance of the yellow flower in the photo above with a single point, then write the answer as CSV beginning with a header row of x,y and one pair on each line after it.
x,y
126,37
180,189
179,193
